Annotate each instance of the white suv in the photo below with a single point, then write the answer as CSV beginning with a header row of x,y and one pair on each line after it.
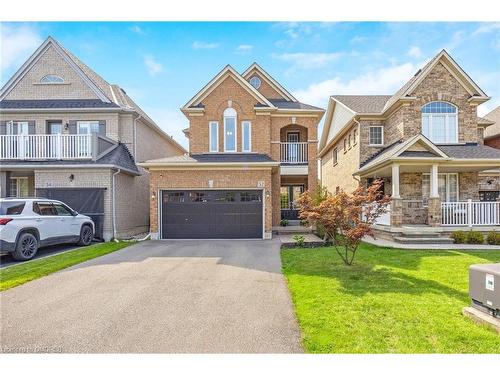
x,y
28,224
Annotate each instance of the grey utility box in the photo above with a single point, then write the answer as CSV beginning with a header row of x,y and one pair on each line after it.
x,y
484,287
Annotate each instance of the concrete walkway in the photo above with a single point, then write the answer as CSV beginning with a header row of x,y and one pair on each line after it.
x,y
158,297
386,243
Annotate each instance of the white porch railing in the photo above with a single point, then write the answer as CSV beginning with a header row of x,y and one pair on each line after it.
x,y
470,213
46,146
293,152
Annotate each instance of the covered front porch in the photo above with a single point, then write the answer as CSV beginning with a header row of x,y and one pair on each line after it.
x,y
434,195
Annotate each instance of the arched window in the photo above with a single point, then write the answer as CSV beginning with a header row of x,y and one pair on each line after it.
x,y
52,78
230,130
440,122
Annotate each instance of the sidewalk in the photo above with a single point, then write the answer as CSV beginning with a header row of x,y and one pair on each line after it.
x,y
386,243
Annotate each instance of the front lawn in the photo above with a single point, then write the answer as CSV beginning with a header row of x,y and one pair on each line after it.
x,y
389,301
23,272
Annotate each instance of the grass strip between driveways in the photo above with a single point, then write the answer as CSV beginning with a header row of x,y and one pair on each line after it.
x,y
23,272
389,301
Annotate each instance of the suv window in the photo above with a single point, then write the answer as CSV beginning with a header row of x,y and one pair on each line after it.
x,y
62,210
45,209
11,207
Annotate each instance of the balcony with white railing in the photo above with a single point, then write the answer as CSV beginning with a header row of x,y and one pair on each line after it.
x,y
293,152
470,213
46,146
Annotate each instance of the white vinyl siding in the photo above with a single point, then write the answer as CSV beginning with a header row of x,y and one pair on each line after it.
x,y
246,136
213,129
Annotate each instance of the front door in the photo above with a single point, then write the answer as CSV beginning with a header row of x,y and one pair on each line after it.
x,y
289,196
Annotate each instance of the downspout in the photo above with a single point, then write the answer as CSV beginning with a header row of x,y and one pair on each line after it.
x,y
135,135
113,202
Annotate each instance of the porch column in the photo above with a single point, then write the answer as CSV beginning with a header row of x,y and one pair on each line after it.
x,y
396,202
434,202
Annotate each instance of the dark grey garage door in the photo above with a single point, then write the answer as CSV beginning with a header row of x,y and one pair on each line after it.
x,y
211,214
87,201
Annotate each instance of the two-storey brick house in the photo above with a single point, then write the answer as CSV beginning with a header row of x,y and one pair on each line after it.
x,y
67,134
252,151
425,142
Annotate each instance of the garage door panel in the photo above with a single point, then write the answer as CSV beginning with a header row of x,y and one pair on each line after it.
x,y
211,214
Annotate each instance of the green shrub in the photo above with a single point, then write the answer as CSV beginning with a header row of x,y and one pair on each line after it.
x,y
475,237
459,236
299,240
493,238
284,222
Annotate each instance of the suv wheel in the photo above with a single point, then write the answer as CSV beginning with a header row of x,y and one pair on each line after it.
x,y
86,235
26,247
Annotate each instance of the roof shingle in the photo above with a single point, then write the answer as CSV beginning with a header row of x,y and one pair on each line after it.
x,y
363,103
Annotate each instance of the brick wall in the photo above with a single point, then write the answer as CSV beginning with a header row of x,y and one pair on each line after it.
x,y
51,63
493,142
198,179
265,89
468,186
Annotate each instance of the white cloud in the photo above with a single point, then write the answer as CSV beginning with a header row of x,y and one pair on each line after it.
x,y
244,48
171,122
153,67
308,60
17,44
204,45
414,51
138,30
357,39
486,28
381,81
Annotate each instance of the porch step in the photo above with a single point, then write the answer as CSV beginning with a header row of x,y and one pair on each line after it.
x,y
420,234
293,229
423,240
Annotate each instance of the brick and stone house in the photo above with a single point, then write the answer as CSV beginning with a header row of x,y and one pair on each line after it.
x,y
66,133
252,151
425,142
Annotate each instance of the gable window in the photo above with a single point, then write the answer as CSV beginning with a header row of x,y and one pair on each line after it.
x,y
376,136
246,136
255,82
213,130
440,122
52,78
230,130
447,187
335,156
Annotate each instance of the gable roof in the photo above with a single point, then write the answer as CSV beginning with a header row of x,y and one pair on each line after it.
x,y
269,79
70,59
362,104
228,71
451,65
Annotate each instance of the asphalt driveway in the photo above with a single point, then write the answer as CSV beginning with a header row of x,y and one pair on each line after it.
x,y
158,297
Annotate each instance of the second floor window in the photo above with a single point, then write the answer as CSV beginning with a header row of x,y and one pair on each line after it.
x,y
335,156
246,136
230,130
213,129
376,136
440,122
17,128
87,127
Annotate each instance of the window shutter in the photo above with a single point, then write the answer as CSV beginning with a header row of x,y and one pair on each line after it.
x,y
3,127
102,127
72,127
31,127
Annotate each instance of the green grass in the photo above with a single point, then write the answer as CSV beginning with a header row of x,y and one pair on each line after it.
x,y
389,301
23,272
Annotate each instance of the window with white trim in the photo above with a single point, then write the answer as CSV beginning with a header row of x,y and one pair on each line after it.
x,y
213,130
335,156
440,122
51,79
230,130
87,127
246,136
17,128
376,136
447,187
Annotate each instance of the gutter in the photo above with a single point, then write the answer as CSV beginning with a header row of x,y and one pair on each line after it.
x,y
213,164
113,202
135,135
67,166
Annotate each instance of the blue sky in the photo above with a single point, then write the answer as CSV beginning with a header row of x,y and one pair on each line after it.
x,y
162,65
